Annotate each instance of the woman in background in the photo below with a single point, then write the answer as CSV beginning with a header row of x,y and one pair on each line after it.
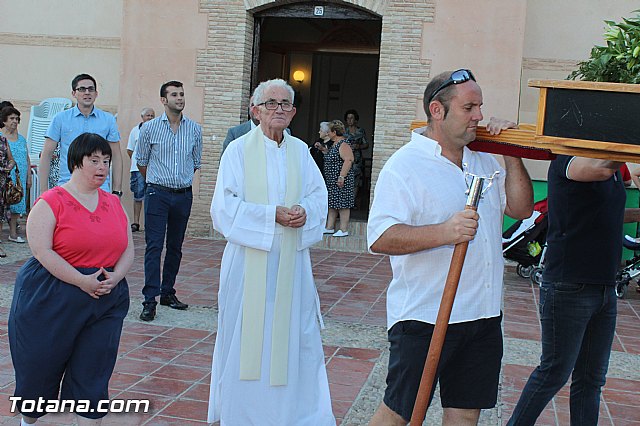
x,y
338,175
9,120
6,165
325,141
358,140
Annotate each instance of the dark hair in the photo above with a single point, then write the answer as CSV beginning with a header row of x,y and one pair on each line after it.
x,y
163,88
337,126
5,104
86,145
5,113
79,77
351,111
444,96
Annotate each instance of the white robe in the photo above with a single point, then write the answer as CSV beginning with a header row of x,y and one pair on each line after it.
x,y
305,399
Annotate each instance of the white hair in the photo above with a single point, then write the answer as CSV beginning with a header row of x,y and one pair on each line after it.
x,y
145,111
258,94
324,126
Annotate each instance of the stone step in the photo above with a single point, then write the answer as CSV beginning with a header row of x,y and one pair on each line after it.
x,y
355,242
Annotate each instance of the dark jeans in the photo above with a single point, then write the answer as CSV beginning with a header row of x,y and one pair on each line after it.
x,y
165,213
578,324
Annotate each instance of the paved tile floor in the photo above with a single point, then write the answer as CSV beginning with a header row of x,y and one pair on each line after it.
x,y
168,361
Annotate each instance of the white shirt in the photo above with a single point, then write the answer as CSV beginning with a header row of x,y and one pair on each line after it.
x,y
132,145
419,186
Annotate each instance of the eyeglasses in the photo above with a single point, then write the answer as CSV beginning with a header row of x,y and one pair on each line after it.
x,y
83,89
273,105
457,77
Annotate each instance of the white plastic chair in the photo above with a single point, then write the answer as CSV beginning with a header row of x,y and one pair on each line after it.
x,y
39,120
34,191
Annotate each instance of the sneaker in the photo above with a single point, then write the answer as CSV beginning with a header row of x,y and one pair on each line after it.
x,y
17,239
328,231
341,233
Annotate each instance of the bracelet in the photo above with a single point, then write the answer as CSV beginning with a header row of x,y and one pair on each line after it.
x,y
118,193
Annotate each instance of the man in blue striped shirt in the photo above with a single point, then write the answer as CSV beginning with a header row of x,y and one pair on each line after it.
x,y
169,153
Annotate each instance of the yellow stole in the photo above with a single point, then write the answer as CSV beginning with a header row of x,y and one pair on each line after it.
x,y
255,267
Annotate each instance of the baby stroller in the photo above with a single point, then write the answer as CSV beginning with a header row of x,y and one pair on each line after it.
x,y
631,269
525,242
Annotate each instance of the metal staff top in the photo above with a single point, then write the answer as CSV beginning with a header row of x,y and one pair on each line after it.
x,y
475,187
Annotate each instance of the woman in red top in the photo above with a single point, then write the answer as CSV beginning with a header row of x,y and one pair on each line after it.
x,y
70,298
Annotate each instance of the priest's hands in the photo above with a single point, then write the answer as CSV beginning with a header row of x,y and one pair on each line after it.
x,y
298,217
295,217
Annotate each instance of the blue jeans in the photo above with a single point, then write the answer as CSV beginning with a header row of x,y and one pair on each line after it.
x,y
578,323
165,213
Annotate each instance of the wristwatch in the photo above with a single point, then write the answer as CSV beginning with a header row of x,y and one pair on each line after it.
x,y
118,193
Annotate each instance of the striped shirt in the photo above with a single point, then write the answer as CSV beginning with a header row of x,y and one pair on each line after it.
x,y
170,158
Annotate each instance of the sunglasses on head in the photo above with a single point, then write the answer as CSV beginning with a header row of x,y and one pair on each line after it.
x,y
456,77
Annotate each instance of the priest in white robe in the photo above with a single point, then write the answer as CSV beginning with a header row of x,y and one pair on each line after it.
x,y
270,203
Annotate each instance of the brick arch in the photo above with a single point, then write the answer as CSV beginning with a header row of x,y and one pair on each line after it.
x,y
376,6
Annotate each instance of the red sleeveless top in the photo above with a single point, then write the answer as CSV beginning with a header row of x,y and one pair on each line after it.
x,y
88,239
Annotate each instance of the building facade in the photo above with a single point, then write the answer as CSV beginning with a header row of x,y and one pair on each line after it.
x,y
375,55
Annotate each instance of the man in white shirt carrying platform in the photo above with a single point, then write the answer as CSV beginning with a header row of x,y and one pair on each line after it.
x,y
417,217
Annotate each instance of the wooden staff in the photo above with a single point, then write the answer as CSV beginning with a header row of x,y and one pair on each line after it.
x,y
444,312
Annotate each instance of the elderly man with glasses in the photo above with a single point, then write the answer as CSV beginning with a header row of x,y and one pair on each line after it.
x,y
270,203
417,217
67,125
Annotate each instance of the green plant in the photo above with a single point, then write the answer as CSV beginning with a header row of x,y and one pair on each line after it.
x,y
619,60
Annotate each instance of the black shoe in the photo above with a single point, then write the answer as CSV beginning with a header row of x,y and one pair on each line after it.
x,y
172,301
148,312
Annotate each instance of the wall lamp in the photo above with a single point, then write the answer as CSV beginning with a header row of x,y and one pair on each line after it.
x,y
298,76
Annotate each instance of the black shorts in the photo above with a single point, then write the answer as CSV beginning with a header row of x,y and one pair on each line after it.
x,y
468,371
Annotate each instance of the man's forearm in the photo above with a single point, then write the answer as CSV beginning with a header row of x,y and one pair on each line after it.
x,y
143,171
44,168
518,188
405,239
116,170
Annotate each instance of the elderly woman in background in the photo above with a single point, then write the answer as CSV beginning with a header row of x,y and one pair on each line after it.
x,y
6,165
71,297
9,120
325,141
358,140
339,177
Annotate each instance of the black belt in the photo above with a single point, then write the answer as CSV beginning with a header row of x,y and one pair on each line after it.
x,y
167,189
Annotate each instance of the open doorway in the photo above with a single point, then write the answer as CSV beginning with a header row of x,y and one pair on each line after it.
x,y
338,52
